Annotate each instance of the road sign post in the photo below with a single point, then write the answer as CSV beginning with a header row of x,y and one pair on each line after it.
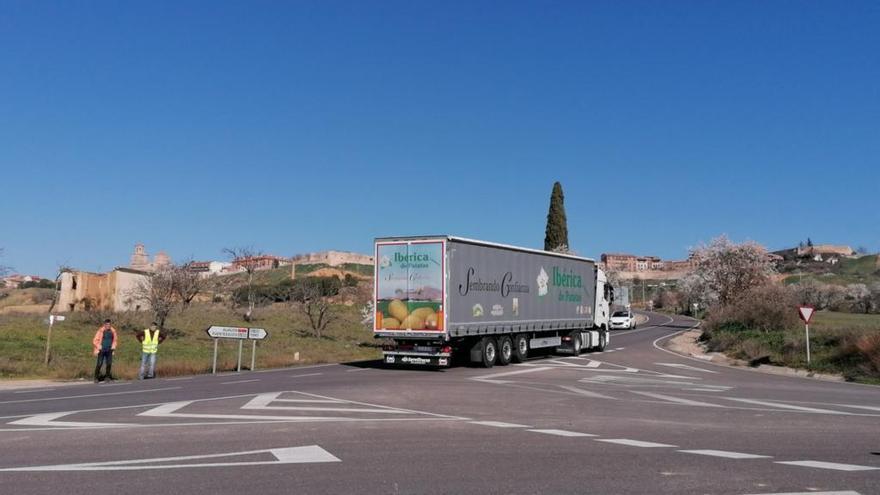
x,y
237,333
52,320
806,314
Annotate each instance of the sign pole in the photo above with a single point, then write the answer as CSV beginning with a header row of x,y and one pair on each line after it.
x,y
239,355
806,313
254,355
214,368
49,337
807,326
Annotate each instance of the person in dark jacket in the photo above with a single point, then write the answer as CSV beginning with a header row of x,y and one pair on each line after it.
x,y
103,345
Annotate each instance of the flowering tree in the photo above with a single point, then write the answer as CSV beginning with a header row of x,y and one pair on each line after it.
x,y
725,271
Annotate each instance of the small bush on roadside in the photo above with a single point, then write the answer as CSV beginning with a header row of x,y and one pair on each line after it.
x,y
765,308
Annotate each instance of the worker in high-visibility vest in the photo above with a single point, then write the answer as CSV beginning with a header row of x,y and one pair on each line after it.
x,y
150,339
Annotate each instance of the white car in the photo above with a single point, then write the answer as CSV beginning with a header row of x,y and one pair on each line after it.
x,y
623,319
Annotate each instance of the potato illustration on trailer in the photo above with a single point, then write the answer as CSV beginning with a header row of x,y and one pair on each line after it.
x,y
431,322
414,322
423,313
390,324
398,310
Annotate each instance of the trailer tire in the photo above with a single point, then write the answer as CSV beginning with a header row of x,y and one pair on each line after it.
x,y
576,343
505,351
520,348
489,351
603,340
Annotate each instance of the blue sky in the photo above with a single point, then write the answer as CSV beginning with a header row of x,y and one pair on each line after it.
x,y
305,126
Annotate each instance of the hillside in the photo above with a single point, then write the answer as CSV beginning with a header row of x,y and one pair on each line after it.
x,y
861,270
226,283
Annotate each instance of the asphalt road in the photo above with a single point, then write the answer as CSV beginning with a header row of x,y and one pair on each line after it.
x,y
634,419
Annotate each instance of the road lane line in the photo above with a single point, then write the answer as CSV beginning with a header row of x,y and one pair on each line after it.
x,y
34,391
48,419
511,373
867,408
844,492
305,375
789,406
499,424
685,367
634,443
564,433
726,454
240,381
179,379
677,400
89,395
586,393
829,465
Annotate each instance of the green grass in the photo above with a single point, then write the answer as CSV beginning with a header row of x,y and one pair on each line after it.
x,y
188,349
829,320
844,343
861,270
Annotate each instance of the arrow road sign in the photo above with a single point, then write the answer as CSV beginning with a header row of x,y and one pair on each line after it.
x,y
228,332
289,455
257,333
806,313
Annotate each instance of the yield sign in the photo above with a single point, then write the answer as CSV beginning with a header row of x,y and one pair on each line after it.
x,y
289,455
806,313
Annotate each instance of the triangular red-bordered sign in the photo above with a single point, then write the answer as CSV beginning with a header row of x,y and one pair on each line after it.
x,y
806,313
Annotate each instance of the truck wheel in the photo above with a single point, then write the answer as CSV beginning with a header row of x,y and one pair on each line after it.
x,y
520,348
602,341
576,343
505,351
490,352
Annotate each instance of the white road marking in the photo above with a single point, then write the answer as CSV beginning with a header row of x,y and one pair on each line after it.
x,y
829,465
677,400
708,389
845,492
48,419
789,406
726,454
618,348
564,433
509,373
594,364
867,408
357,369
305,375
608,350
240,381
324,401
290,455
685,367
180,379
499,424
34,390
88,395
586,393
634,443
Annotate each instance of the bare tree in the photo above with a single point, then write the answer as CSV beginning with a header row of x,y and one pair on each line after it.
x,y
157,291
246,258
309,298
3,269
187,283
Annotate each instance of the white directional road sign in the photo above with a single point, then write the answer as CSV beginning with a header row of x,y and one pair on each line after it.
x,y
228,332
257,333
806,313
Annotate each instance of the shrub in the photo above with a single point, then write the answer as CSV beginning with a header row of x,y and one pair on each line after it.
x,y
765,308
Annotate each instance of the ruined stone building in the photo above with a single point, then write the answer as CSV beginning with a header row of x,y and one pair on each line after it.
x,y
113,291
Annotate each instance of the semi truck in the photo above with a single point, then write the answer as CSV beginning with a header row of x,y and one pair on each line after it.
x,y
438,298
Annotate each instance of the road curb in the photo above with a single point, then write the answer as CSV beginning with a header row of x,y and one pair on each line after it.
x,y
687,344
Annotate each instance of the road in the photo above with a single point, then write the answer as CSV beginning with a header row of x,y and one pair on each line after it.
x,y
634,419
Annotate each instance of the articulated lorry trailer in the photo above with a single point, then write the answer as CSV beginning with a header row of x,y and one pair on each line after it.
x,y
440,297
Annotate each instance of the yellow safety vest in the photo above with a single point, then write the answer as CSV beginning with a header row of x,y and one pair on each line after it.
x,y
151,343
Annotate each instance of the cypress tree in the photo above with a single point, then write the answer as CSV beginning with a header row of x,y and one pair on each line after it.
x,y
557,226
